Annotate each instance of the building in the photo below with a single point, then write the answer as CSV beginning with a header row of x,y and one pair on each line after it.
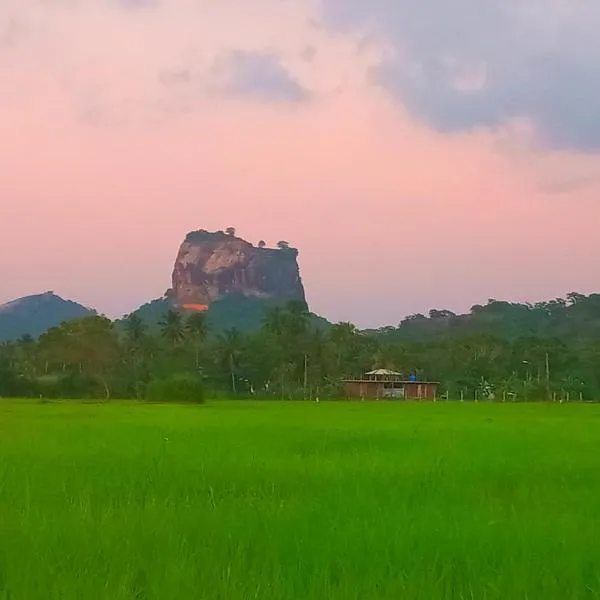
x,y
384,384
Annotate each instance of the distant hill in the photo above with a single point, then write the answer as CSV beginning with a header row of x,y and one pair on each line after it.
x,y
245,313
33,315
151,312
576,317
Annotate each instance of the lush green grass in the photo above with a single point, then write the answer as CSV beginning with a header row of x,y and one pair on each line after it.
x,y
299,501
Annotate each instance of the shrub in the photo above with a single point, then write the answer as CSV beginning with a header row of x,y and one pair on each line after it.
x,y
176,388
13,385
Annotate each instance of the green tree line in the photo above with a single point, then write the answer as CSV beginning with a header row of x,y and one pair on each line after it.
x,y
499,351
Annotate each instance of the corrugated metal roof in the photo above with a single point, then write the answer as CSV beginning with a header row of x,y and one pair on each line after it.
x,y
383,372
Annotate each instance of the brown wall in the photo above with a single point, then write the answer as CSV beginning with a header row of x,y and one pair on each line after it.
x,y
415,391
375,389
363,389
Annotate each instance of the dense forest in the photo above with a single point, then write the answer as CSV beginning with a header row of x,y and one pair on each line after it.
x,y
500,351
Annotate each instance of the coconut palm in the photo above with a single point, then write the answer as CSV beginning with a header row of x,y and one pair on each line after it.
x,y
230,345
172,327
195,331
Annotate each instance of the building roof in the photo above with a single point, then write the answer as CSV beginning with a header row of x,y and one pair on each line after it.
x,y
383,372
371,381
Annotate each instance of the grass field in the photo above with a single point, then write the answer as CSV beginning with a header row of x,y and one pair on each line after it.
x,y
299,501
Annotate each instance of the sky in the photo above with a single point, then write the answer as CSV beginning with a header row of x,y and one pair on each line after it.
x,y
419,153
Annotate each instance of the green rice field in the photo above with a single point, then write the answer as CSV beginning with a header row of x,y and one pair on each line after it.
x,y
282,501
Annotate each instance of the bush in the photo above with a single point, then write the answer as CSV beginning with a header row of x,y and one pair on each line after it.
x,y
13,385
176,388
72,386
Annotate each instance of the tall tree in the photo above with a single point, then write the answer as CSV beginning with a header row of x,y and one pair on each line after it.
x,y
135,330
89,345
297,317
230,347
172,327
196,331
274,321
136,343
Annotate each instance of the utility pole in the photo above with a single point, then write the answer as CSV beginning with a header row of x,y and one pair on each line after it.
x,y
231,369
305,374
548,375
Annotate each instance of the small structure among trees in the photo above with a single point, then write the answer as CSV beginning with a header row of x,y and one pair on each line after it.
x,y
386,384
230,231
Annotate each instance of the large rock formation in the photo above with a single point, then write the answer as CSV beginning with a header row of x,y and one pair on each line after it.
x,y
211,266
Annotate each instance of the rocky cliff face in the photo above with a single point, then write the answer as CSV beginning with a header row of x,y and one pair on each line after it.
x,y
210,266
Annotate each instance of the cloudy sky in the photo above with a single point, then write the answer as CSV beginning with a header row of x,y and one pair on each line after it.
x,y
420,153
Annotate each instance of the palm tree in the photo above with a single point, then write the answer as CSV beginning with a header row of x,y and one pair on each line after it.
x,y
230,343
343,337
136,339
195,329
172,327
